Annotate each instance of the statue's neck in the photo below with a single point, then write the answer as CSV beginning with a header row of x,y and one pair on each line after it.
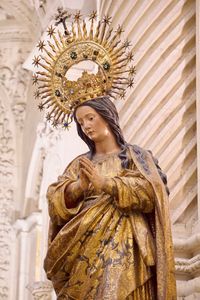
x,y
107,146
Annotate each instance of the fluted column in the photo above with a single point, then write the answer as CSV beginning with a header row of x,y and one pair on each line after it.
x,y
198,96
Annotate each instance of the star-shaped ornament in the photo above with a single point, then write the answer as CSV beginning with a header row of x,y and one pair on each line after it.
x,y
130,83
37,95
127,44
35,79
77,16
41,106
107,20
65,124
122,94
51,31
55,124
41,45
119,30
48,117
130,56
93,16
36,61
132,70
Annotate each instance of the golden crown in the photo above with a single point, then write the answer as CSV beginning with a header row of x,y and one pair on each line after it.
x,y
101,45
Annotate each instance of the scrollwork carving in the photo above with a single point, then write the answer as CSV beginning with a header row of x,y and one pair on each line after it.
x,y
48,135
41,290
6,200
19,111
13,76
15,81
188,265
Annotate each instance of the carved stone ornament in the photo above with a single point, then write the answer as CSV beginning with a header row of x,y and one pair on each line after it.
x,y
13,76
19,111
6,200
49,135
41,290
189,266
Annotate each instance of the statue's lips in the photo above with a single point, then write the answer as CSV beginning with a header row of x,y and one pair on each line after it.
x,y
90,133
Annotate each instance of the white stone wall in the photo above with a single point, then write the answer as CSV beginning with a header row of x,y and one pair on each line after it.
x,y
162,113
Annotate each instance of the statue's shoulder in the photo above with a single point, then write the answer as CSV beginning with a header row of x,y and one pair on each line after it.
x,y
143,153
141,156
138,150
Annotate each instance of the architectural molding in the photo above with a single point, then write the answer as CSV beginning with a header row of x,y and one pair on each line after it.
x,y
190,244
7,173
12,33
27,224
188,289
20,11
19,111
13,77
188,266
47,137
41,290
28,241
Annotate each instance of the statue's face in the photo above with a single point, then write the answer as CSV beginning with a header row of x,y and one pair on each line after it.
x,y
92,124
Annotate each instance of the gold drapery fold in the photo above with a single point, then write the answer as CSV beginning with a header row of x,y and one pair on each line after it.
x,y
165,268
144,292
112,245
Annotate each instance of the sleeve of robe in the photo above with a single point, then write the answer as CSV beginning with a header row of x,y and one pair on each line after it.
x,y
56,195
132,191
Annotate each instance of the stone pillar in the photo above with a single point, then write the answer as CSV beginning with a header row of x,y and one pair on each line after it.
x,y
27,268
7,165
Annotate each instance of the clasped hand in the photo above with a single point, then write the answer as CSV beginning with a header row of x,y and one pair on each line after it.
x,y
89,174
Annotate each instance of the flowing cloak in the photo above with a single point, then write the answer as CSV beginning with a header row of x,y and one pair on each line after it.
x,y
109,244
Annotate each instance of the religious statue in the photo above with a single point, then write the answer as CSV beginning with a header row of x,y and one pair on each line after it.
x,y
109,236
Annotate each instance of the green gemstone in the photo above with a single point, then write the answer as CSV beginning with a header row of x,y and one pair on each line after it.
x,y
106,66
57,93
73,55
58,74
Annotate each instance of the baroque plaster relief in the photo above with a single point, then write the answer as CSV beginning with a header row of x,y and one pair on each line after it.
x,y
15,81
41,290
6,200
4,15
47,137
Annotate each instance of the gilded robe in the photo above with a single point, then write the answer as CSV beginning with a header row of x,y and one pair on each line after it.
x,y
112,246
